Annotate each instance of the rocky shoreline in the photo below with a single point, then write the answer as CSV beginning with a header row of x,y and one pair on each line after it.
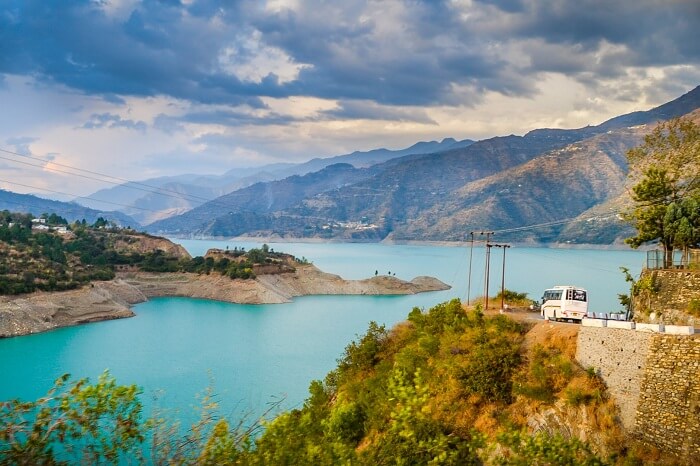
x,y
43,311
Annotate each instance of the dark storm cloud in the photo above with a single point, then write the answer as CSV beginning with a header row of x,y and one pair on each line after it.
x,y
390,53
653,32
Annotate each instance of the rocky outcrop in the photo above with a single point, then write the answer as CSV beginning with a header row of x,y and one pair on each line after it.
x,y
40,312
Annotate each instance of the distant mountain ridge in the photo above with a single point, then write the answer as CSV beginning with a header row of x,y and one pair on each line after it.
x,y
71,211
158,198
503,183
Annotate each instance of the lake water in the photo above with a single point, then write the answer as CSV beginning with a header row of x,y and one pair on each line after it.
x,y
252,355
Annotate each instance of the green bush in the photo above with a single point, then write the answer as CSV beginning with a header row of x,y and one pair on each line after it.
x,y
98,423
544,450
490,367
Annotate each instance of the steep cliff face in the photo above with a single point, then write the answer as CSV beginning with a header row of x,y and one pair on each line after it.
x,y
597,425
581,406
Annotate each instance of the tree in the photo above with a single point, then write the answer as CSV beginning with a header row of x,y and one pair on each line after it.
x,y
682,224
667,167
98,423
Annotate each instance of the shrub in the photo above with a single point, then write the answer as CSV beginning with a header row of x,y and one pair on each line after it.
x,y
489,369
542,449
78,423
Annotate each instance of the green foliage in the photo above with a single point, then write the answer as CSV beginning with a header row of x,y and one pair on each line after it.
x,y
158,261
490,367
694,307
413,436
548,372
363,354
221,448
510,296
544,450
398,397
347,423
98,423
667,170
441,317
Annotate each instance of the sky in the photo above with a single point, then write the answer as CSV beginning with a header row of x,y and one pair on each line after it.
x,y
141,89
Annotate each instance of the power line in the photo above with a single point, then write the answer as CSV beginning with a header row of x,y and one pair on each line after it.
x,y
76,196
129,184
177,195
552,223
37,206
117,180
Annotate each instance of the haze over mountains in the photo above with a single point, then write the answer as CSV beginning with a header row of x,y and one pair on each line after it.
x,y
550,185
71,211
157,198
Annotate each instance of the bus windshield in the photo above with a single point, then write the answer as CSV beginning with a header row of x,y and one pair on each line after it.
x,y
551,295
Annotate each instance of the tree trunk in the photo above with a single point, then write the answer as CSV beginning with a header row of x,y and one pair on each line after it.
x,y
668,257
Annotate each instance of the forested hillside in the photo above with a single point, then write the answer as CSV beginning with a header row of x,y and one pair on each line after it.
x,y
51,255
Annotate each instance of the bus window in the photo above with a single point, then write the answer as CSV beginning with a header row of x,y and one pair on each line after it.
x,y
579,295
552,295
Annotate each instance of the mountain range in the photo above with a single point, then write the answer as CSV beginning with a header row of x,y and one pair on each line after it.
x,y
550,185
71,211
157,198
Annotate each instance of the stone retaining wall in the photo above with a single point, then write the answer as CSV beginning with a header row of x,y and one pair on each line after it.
x,y
655,381
668,412
674,295
618,357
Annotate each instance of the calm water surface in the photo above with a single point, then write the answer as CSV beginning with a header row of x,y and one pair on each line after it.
x,y
255,354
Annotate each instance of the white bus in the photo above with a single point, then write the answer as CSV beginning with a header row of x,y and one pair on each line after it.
x,y
564,302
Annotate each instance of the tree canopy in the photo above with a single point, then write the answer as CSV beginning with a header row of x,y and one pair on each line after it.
x,y
666,169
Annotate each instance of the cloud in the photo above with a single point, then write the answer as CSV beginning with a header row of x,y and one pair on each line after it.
x,y
353,109
110,120
20,145
391,52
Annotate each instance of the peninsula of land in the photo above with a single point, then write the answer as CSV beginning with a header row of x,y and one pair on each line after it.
x,y
104,300
55,275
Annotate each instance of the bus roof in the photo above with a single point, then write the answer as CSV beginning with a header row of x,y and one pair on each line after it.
x,y
566,287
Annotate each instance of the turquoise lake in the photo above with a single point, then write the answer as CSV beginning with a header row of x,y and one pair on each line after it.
x,y
252,355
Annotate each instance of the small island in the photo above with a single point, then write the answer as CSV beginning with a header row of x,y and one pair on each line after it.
x,y
55,275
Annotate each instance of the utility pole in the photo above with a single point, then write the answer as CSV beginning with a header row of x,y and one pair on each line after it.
x,y
486,271
503,272
469,280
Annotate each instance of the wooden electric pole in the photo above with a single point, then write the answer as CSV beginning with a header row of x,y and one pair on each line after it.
x,y
486,272
503,271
